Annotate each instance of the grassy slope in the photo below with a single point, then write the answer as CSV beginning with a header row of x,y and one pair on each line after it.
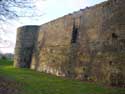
x,y
41,83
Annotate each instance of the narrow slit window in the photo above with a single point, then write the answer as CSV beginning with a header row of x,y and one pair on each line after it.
x,y
114,36
74,35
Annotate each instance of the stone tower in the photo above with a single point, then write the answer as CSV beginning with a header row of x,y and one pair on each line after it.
x,y
25,42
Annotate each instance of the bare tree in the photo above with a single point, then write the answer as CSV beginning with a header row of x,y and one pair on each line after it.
x,y
9,8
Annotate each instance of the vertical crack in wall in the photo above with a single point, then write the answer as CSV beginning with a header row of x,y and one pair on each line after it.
x,y
73,51
74,34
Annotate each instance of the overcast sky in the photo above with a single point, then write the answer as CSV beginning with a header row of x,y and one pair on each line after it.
x,y
50,9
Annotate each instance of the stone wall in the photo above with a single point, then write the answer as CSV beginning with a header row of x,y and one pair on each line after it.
x,y
101,44
86,45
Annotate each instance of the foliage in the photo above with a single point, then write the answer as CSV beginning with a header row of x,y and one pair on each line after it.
x,y
41,83
3,57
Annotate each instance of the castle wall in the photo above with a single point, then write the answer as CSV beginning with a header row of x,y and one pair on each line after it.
x,y
101,46
86,45
53,46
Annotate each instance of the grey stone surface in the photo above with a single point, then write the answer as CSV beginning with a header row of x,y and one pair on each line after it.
x,y
26,37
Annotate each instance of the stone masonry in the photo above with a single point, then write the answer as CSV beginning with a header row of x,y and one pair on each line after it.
x,y
86,45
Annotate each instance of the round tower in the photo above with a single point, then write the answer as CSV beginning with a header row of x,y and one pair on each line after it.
x,y
26,38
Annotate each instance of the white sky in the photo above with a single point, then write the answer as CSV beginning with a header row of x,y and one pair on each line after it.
x,y
51,9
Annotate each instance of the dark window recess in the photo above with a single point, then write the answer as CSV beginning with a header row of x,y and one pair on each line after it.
x,y
110,62
74,35
114,36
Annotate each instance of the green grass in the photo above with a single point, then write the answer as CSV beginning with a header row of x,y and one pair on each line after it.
x,y
41,83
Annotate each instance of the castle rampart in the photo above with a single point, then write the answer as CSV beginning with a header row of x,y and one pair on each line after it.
x,y
86,45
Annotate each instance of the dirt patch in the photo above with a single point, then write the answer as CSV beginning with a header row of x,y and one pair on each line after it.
x,y
8,86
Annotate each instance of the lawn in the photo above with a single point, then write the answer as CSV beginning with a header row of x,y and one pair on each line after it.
x,y
32,82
